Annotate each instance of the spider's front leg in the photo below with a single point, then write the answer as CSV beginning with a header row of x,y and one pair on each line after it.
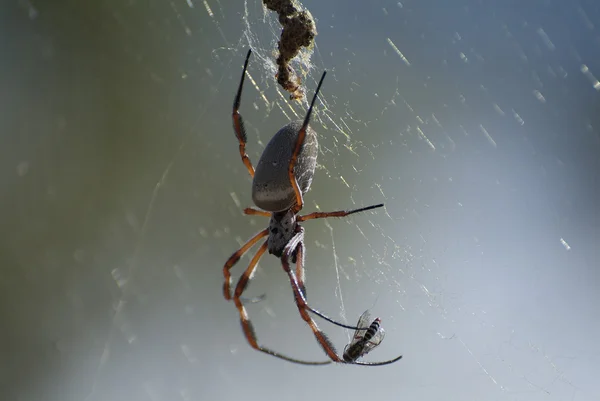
x,y
247,326
303,307
296,246
235,258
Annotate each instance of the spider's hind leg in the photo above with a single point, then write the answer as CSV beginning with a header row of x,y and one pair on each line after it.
x,y
238,122
298,147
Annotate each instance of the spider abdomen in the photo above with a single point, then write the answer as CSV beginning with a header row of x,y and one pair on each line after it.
x,y
271,187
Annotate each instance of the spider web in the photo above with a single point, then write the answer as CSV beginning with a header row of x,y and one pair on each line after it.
x,y
409,115
403,267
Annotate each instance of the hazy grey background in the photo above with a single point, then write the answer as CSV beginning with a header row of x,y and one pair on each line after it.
x,y
118,164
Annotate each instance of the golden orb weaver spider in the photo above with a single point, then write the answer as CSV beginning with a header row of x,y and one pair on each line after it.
x,y
282,176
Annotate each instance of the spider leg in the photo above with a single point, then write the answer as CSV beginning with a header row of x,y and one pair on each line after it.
x,y
340,213
303,309
238,122
300,272
377,363
298,148
255,212
233,259
247,326
297,243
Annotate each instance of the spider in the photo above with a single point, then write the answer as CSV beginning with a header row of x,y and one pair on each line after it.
x,y
283,175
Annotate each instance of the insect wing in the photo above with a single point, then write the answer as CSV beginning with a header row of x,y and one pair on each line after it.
x,y
363,323
374,341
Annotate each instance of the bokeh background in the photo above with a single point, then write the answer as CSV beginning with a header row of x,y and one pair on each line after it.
x,y
475,122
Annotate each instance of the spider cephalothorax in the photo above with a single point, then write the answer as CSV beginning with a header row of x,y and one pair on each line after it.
x,y
282,227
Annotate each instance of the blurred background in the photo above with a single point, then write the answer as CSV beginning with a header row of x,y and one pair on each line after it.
x,y
475,122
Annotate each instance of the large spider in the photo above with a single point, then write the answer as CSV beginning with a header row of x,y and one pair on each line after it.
x,y
283,175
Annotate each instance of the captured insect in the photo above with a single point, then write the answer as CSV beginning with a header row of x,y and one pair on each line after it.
x,y
364,341
283,175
